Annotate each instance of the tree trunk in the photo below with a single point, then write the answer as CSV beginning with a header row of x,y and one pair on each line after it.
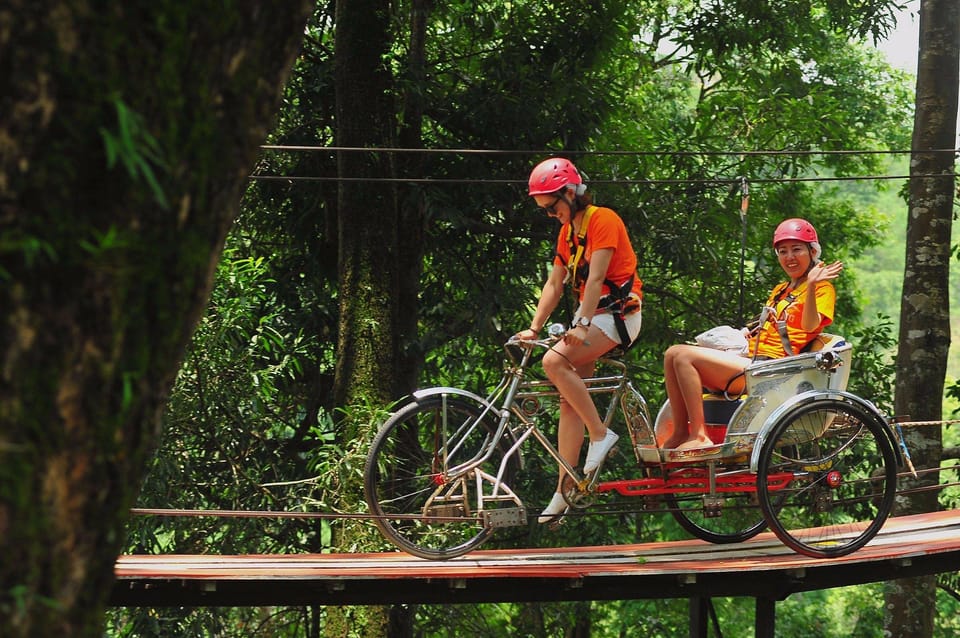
x,y
367,212
367,205
925,308
411,206
127,133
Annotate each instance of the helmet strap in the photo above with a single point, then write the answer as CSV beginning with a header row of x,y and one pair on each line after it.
x,y
573,204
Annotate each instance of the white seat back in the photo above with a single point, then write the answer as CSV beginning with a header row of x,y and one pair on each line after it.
x,y
773,382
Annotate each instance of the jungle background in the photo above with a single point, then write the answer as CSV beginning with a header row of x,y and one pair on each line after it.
x,y
384,241
664,106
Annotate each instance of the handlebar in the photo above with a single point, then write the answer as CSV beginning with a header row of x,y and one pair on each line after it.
x,y
555,332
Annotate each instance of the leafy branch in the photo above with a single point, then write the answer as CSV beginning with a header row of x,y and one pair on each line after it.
x,y
134,146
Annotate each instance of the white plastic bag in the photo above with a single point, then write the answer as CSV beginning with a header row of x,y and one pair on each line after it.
x,y
723,338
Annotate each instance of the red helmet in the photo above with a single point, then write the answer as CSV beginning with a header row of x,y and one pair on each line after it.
x,y
797,229
551,175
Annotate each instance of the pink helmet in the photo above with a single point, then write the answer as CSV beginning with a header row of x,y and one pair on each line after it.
x,y
552,174
798,230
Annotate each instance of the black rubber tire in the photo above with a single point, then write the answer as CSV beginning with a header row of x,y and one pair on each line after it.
x,y
739,519
416,501
844,477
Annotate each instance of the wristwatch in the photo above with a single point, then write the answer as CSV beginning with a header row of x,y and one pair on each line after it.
x,y
581,321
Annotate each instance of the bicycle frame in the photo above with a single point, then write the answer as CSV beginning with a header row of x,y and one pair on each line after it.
x,y
508,398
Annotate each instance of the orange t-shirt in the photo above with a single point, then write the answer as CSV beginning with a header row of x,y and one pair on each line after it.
x,y
605,229
770,343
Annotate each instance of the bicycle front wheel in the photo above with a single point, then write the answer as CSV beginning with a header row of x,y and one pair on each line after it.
x,y
844,474
415,484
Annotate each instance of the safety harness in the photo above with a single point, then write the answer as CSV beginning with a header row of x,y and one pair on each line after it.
x,y
779,301
775,311
619,301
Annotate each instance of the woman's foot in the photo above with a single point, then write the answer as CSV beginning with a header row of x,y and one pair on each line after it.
x,y
599,450
557,508
693,444
670,437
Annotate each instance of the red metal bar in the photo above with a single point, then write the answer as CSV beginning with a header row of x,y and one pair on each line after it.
x,y
693,484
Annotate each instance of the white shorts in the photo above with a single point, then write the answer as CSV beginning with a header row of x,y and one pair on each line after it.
x,y
604,321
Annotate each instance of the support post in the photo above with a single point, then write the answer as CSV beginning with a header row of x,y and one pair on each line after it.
x,y
699,611
765,617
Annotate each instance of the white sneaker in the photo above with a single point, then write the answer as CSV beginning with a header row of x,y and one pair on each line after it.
x,y
599,450
557,508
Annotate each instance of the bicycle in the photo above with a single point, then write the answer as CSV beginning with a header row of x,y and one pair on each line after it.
x,y
797,453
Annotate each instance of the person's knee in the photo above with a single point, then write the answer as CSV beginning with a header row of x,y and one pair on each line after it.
x,y
671,355
554,364
682,355
668,355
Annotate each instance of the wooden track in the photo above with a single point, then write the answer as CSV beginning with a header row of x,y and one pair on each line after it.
x,y
762,568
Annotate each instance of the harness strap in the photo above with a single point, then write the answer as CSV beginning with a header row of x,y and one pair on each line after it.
x,y
619,300
573,275
780,306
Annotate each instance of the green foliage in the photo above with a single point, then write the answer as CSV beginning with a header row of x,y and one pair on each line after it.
x,y
237,437
237,431
136,148
665,105
947,621
211,622
871,374
837,613
29,248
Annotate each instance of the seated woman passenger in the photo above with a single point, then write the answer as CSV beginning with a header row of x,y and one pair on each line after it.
x,y
799,310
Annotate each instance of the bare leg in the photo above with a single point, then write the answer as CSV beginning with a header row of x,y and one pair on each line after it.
x,y
565,366
569,437
680,431
687,370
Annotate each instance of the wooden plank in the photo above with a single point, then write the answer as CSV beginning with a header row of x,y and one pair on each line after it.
x,y
906,546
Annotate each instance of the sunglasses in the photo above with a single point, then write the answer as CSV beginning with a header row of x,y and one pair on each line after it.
x,y
551,210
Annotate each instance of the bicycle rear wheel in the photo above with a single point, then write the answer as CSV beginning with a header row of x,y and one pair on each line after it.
x,y
730,518
417,502
844,471
731,515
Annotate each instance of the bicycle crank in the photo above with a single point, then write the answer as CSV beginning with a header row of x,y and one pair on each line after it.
x,y
575,496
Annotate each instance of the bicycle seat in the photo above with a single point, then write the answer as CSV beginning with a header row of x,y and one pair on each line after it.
x,y
617,352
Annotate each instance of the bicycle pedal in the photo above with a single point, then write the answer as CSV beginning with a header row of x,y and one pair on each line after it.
x,y
555,524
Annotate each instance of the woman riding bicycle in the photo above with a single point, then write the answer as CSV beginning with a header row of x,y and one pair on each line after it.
x,y
799,310
595,256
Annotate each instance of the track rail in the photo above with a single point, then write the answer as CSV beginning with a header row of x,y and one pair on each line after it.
x,y
680,485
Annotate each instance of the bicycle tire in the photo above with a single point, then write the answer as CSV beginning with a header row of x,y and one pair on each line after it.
x,y
738,519
416,503
844,477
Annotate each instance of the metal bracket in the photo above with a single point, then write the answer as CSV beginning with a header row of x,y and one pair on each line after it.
x,y
505,517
